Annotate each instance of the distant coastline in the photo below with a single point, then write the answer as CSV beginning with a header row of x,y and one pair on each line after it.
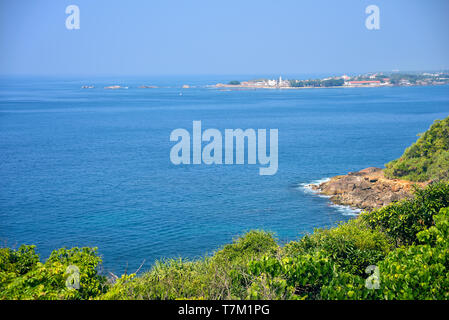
x,y
368,80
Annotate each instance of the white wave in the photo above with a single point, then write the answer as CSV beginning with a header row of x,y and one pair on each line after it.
x,y
307,187
320,181
346,210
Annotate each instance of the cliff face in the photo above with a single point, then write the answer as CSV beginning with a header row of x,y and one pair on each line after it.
x,y
366,189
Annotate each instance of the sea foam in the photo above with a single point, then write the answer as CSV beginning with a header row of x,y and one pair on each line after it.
x,y
342,209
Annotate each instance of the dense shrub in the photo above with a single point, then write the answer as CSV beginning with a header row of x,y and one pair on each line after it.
x,y
302,275
427,158
418,271
18,262
22,276
352,246
439,169
402,221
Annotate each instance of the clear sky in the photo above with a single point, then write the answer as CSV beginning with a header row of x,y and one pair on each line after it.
x,y
156,37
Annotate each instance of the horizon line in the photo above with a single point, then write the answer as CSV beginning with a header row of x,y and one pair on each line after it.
x,y
214,74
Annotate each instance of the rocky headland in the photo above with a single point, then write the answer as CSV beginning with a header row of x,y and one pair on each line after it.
x,y
366,189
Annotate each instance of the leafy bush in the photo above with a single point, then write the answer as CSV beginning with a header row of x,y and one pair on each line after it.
x,y
352,246
403,220
18,262
414,272
346,286
427,158
439,168
22,276
302,275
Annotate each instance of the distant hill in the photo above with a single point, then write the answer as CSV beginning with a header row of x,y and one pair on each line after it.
x,y
426,159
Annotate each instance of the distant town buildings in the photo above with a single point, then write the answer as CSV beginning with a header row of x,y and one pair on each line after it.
x,y
378,79
272,83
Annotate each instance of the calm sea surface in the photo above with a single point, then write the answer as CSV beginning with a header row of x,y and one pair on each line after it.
x,y
91,167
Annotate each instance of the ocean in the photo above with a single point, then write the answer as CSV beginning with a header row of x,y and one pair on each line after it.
x,y
91,167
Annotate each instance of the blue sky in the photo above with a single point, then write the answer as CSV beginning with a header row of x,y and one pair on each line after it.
x,y
164,37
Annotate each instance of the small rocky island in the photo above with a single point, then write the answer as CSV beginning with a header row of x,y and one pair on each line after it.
x,y
366,189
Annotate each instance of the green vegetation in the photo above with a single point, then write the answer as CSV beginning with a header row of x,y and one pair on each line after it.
x,y
333,83
427,159
395,78
234,82
413,78
419,271
22,276
402,221
317,83
408,241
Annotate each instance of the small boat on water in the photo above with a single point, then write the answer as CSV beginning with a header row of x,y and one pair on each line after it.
x,y
115,87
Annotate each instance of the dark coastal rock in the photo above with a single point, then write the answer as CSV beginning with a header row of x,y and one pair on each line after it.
x,y
366,189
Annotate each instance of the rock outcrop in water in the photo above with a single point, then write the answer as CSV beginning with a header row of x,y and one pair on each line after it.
x,y
366,189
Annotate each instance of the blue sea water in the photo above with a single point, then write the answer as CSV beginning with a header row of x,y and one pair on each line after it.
x,y
91,167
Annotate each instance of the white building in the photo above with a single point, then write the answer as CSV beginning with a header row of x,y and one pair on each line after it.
x,y
283,83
